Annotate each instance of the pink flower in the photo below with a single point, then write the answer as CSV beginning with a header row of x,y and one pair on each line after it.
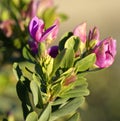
x,y
105,52
6,27
80,31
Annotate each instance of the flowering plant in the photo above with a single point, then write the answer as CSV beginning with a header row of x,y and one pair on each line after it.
x,y
14,19
52,84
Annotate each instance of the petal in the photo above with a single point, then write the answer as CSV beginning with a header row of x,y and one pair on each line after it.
x,y
54,32
109,60
94,34
80,31
111,45
105,53
47,32
100,57
36,25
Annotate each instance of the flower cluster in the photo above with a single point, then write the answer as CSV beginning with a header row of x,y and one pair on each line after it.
x,y
105,50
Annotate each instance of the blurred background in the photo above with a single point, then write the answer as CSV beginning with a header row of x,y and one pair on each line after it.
x,y
103,103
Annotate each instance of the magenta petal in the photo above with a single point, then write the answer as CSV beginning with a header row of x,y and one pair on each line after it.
x,y
105,53
53,51
80,31
54,32
36,28
47,32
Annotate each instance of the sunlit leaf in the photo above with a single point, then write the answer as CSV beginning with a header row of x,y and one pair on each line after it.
x,y
45,115
74,117
32,116
36,92
68,108
86,63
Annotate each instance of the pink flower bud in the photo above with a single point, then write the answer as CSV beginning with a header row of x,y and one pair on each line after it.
x,y
94,34
32,8
105,52
80,31
70,79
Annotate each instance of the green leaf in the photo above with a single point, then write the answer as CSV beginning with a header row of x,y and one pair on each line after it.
x,y
27,55
41,49
64,38
79,88
75,117
39,71
26,109
55,89
73,42
36,92
57,61
36,79
23,92
85,63
17,71
59,101
81,91
68,59
45,115
68,108
80,81
32,116
49,16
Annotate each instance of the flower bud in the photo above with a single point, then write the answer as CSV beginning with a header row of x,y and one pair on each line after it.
x,y
72,78
94,34
80,31
53,51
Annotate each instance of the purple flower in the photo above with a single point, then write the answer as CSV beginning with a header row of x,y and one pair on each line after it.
x,y
53,51
105,52
37,31
80,31
39,34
